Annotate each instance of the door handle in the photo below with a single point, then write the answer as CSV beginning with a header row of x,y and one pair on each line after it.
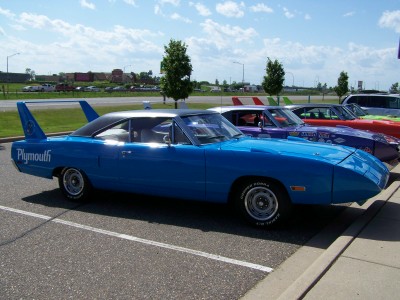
x,y
125,153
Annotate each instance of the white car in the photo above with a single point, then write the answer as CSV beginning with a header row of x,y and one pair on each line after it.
x,y
91,88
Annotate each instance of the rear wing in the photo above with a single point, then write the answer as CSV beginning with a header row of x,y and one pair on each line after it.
x,y
31,128
236,101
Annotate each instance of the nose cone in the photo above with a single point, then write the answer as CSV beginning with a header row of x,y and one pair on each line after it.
x,y
358,178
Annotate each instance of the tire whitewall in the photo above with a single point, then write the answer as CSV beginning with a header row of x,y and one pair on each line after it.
x,y
262,203
74,184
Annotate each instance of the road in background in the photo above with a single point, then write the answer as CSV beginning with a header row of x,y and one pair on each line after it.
x,y
6,105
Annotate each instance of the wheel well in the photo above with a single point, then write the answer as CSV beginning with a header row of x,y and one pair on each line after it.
x,y
57,171
239,181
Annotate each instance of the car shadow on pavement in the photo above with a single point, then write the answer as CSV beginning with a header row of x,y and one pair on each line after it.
x,y
307,220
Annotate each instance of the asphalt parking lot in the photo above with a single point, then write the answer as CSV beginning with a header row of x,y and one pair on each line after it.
x,y
130,246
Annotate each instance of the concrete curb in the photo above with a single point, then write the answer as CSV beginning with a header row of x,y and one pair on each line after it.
x,y
281,283
313,274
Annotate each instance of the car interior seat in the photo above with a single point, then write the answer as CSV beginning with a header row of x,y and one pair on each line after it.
x,y
147,136
256,120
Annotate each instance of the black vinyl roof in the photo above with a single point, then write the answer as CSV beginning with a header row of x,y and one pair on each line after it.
x,y
117,117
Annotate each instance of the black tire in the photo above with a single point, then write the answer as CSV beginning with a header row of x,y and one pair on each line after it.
x,y
262,203
74,184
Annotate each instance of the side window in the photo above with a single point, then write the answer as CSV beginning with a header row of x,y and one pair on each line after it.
x,y
332,115
312,113
247,118
362,101
179,136
376,101
118,132
300,113
392,102
353,99
152,130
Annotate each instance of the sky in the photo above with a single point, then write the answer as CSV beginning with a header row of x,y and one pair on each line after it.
x,y
314,40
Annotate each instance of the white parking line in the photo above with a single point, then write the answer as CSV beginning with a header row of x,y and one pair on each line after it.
x,y
143,241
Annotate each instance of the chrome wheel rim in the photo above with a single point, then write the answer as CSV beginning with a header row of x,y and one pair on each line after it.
x,y
73,182
261,203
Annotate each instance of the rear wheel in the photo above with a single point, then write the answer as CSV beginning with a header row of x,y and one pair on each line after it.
x,y
262,203
74,184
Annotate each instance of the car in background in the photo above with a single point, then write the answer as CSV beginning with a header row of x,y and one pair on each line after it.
x,y
64,87
120,89
361,113
336,114
376,104
280,122
27,88
91,88
196,155
45,87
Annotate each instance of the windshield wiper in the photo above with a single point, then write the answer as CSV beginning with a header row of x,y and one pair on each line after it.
x,y
216,137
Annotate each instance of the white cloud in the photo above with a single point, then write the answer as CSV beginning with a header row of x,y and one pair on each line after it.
x,y
87,4
261,7
307,17
176,16
390,19
230,9
201,9
349,14
287,13
223,36
130,2
173,2
6,13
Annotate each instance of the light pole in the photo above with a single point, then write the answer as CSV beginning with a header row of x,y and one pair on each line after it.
x,y
236,62
125,67
123,74
292,77
8,79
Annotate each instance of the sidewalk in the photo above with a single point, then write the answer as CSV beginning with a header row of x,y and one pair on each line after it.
x,y
363,263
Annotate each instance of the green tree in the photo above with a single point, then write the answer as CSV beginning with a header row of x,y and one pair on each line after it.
x,y
274,79
177,68
342,85
31,73
394,89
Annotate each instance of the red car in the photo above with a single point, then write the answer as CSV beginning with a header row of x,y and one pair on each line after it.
x,y
335,114
64,87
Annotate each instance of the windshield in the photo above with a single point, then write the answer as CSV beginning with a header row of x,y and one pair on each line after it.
x,y
211,128
356,109
345,113
282,117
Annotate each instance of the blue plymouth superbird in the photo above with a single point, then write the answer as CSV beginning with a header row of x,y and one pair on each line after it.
x,y
196,155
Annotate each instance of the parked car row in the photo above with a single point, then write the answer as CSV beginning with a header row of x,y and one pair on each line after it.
x,y
281,122
39,88
65,87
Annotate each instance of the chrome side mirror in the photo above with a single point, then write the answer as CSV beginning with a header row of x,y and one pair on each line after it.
x,y
167,139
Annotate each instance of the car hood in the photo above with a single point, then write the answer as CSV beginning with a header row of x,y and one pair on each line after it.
x,y
332,154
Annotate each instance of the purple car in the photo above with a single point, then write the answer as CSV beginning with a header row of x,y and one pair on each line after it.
x,y
279,122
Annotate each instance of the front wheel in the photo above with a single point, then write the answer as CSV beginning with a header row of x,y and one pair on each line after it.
x,y
74,184
262,203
